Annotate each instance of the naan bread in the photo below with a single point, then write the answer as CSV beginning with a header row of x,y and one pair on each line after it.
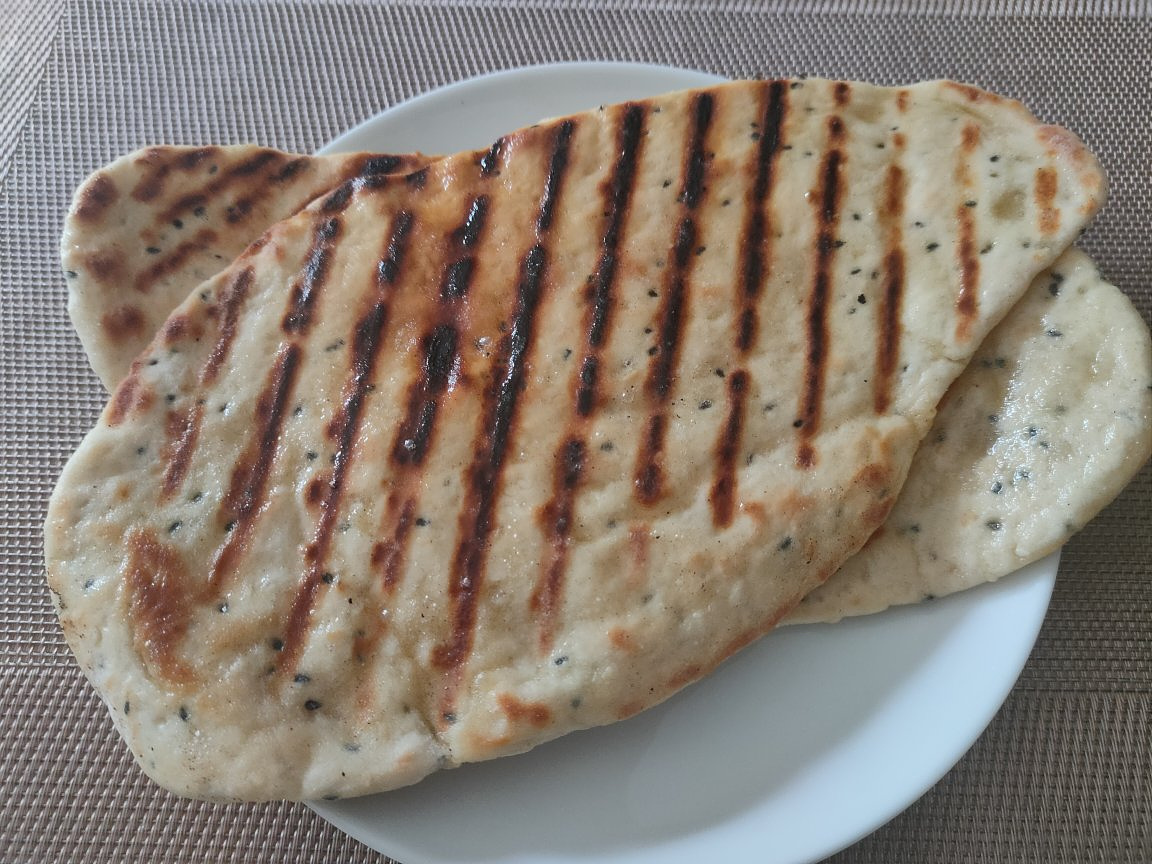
x,y
1047,424
144,230
449,465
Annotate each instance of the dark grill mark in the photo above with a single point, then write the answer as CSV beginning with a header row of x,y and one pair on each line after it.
x,y
389,267
556,170
967,303
379,165
458,278
180,457
147,278
307,287
468,233
438,373
648,479
243,173
1045,190
98,195
755,237
888,344
491,160
416,432
291,169
346,424
483,477
842,92
619,194
557,514
557,517
828,217
722,496
755,265
233,301
245,497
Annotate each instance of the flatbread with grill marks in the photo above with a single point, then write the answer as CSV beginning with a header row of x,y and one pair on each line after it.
x,y
147,228
449,465
1048,423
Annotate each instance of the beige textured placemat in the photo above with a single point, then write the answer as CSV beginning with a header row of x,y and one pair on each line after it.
x,y
1064,773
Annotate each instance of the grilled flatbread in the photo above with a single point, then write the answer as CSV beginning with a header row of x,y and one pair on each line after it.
x,y
1047,424
144,230
449,465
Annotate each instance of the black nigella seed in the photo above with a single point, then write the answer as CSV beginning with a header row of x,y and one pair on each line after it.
x,y
197,497
706,404
913,529
993,418
127,706
1032,431
918,224
301,678
785,544
88,583
560,661
71,274
607,447
153,250
994,524
310,455
312,705
230,526
796,424
855,271
719,373
700,250
277,643
222,608
653,351
448,717
175,526
652,292
838,243
183,713
328,578
994,158
860,298
567,353
932,247
352,748
199,211
298,410
421,521
1055,334
139,451
725,202
855,217
176,223
969,203
667,183
997,488
986,249
171,397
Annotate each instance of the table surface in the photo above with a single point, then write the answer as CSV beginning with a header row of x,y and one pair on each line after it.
x,y
1063,773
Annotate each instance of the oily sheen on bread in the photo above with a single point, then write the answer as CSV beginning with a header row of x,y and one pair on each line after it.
x,y
451,464
147,228
1048,423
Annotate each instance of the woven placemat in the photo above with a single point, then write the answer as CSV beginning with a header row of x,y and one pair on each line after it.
x,y
1064,773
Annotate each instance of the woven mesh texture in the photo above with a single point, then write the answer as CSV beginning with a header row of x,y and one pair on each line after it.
x,y
1064,773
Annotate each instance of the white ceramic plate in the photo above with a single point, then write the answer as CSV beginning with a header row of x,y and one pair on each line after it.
x,y
792,750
